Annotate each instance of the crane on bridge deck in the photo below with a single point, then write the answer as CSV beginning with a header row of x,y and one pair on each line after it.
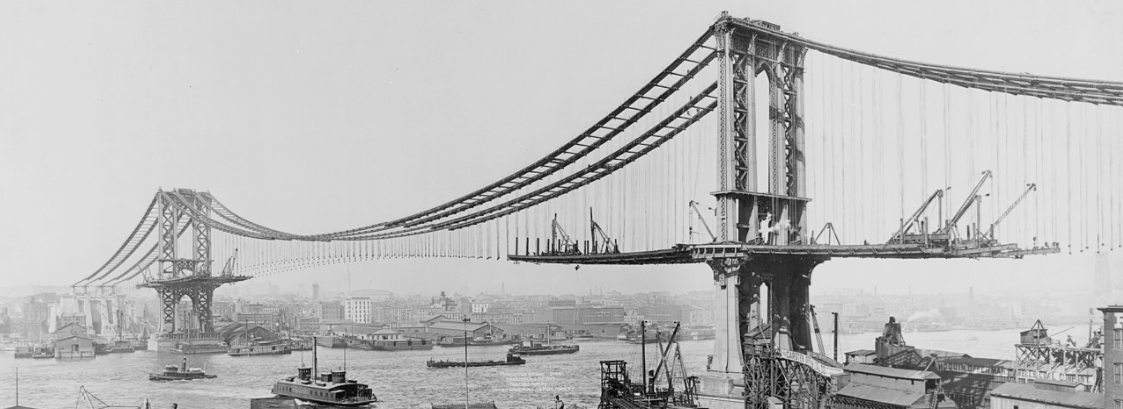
x,y
698,213
972,198
609,247
560,242
989,236
903,236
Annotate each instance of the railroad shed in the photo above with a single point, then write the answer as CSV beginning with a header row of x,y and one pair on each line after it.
x,y
869,386
1022,396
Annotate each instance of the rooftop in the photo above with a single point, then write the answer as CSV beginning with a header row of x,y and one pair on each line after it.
x,y
1079,400
881,395
890,372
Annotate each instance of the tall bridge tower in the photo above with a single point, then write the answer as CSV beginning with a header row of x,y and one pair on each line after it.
x,y
753,328
178,276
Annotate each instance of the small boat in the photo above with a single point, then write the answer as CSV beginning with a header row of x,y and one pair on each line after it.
x,y
176,373
260,348
511,360
296,344
43,353
24,352
122,347
459,342
330,388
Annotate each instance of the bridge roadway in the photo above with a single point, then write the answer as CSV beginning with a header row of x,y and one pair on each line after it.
x,y
699,253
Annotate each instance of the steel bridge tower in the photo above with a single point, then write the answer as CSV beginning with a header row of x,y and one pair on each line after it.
x,y
178,276
752,333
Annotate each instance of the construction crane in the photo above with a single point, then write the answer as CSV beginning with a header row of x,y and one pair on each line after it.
x,y
899,236
1029,188
698,213
596,231
228,269
950,227
671,363
560,241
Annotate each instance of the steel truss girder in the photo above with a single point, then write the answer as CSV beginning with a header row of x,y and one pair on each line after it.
x,y
793,384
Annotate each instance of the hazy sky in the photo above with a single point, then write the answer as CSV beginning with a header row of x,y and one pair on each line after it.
x,y
311,117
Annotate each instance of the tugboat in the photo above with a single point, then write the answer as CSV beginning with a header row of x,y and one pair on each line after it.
x,y
327,388
176,373
511,360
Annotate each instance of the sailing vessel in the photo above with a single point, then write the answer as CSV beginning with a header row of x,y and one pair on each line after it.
x,y
121,345
331,388
511,360
178,373
548,349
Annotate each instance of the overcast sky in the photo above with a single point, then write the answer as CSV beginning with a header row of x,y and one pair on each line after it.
x,y
312,117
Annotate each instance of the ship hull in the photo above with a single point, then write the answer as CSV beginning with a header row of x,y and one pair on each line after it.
x,y
156,377
454,364
545,351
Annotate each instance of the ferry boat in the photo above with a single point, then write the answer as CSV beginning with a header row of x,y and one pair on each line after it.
x,y
24,352
330,388
176,373
511,360
260,348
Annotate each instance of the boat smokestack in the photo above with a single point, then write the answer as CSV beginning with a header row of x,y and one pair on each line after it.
x,y
184,365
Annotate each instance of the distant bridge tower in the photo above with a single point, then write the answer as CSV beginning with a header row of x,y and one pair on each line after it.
x,y
749,214
178,276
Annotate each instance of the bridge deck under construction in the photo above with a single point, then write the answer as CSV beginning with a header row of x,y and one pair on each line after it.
x,y
697,253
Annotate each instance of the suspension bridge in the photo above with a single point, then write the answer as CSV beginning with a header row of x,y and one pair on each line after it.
x,y
756,151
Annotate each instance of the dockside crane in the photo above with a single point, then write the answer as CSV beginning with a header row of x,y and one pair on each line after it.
x,y
609,247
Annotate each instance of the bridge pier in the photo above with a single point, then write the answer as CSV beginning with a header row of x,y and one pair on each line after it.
x,y
752,329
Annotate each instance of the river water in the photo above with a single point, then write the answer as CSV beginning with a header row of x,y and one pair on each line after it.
x,y
399,378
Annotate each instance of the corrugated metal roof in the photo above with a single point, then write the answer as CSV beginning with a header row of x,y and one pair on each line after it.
x,y
880,395
891,372
458,326
976,361
1081,400
861,352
